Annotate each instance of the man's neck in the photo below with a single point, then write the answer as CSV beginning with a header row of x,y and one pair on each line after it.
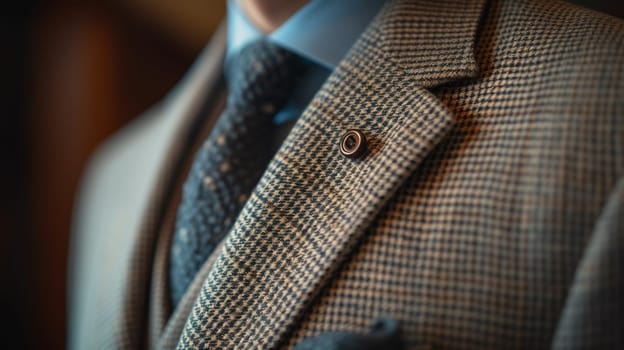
x,y
267,15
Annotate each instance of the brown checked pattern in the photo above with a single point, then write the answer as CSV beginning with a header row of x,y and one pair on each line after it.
x,y
485,214
497,139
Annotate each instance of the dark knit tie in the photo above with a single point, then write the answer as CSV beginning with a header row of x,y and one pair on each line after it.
x,y
231,161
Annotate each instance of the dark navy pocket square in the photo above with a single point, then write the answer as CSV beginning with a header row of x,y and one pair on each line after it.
x,y
384,334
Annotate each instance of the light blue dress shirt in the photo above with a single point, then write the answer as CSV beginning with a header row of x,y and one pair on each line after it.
x,y
322,32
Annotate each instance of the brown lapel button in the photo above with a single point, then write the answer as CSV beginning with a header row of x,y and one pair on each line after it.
x,y
353,144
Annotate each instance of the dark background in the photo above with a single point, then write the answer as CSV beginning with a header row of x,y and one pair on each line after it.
x,y
73,73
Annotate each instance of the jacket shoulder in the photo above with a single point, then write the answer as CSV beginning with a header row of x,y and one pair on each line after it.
x,y
558,29
561,48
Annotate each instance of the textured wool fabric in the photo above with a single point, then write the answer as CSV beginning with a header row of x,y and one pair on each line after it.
x,y
487,213
497,136
232,159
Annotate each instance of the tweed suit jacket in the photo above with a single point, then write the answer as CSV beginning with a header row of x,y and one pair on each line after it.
x,y
488,212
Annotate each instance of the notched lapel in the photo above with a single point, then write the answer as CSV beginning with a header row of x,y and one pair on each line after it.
x,y
313,205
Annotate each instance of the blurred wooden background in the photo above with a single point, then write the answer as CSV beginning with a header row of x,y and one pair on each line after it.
x,y
77,71
74,72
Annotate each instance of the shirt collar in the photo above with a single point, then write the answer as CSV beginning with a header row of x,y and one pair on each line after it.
x,y
322,31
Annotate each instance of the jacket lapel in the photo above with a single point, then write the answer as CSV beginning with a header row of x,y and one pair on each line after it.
x,y
182,110
313,205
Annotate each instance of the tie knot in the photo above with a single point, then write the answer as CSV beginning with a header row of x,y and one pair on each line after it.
x,y
262,72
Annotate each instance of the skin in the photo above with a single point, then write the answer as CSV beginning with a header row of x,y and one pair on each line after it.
x,y
267,15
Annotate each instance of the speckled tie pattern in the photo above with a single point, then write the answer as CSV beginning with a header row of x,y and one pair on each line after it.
x,y
232,159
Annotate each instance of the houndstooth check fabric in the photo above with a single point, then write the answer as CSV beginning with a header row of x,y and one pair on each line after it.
x,y
486,214
497,141
232,159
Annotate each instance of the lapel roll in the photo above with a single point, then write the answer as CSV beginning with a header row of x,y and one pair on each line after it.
x,y
313,205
